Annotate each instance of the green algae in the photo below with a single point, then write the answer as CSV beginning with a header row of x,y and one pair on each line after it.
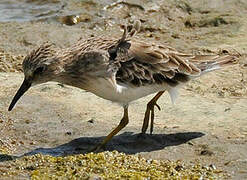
x,y
106,165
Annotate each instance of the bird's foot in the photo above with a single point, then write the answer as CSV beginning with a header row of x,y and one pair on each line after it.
x,y
149,112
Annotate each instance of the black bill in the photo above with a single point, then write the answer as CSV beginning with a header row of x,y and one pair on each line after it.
x,y
24,87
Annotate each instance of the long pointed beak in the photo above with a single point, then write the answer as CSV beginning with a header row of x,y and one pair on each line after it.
x,y
24,87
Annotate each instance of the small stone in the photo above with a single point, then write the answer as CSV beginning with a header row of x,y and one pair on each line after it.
x,y
27,121
91,121
206,152
61,85
191,143
179,168
30,168
32,143
95,177
227,163
149,161
227,109
212,166
68,133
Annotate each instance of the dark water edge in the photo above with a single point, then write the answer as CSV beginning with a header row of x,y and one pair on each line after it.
x,y
21,11
61,11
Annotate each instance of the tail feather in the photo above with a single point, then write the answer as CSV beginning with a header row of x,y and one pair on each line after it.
x,y
214,62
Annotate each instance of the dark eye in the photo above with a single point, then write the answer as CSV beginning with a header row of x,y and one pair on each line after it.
x,y
39,70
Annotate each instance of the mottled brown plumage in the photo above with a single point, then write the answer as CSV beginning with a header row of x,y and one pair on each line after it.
x,y
118,69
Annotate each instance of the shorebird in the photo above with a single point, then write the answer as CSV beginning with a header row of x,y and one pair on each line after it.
x,y
118,69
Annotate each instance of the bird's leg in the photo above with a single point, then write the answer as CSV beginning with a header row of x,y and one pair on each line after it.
x,y
150,108
124,121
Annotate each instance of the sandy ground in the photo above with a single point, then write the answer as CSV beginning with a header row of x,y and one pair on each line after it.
x,y
206,125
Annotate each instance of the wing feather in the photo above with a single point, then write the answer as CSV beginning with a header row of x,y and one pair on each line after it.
x,y
149,63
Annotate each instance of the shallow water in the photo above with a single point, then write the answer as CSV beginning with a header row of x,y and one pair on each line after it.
x,y
29,10
57,11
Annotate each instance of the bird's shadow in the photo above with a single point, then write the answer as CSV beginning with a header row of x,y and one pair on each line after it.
x,y
127,142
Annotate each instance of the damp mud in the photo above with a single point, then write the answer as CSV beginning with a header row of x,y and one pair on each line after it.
x,y
48,134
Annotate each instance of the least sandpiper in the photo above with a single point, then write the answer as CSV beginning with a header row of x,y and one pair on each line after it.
x,y
118,69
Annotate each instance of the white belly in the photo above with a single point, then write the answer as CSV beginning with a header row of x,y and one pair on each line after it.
x,y
122,93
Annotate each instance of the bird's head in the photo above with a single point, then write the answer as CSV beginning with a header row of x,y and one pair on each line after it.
x,y
37,69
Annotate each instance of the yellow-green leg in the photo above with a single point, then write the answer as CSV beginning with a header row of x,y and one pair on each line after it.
x,y
150,108
122,124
